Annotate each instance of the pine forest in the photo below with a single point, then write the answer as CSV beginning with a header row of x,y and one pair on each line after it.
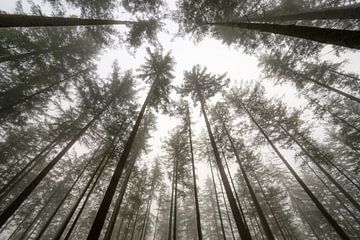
x,y
179,119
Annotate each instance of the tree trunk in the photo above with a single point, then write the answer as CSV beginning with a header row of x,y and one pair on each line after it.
x,y
217,202
48,221
17,20
236,194
67,218
175,197
244,233
197,211
99,220
134,227
325,213
341,189
269,205
14,180
226,207
263,220
119,200
37,217
334,115
344,38
171,204
348,12
157,218
104,161
333,193
8,107
28,190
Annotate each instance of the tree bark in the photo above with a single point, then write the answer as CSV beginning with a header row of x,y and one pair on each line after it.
x,y
325,213
175,197
17,20
344,38
197,211
171,204
263,220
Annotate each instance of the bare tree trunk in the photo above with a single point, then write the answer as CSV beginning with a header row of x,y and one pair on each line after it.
x,y
17,20
171,204
226,207
344,38
217,203
263,220
29,189
175,197
341,189
325,213
244,233
197,211
99,220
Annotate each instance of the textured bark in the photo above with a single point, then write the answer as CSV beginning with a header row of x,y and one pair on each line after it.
x,y
321,208
348,12
344,38
99,220
264,223
16,20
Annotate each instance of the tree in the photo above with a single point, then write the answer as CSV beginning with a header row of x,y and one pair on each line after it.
x,y
202,85
157,69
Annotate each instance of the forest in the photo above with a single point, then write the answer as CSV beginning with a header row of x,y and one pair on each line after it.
x,y
179,119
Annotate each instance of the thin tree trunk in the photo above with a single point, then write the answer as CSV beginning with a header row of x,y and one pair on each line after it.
x,y
335,115
14,180
126,229
217,202
17,20
119,200
348,12
226,207
331,89
175,197
233,186
157,218
17,228
197,211
268,204
119,229
325,213
134,227
263,220
344,74
104,161
341,189
171,204
244,233
333,193
28,190
99,220
38,215
9,106
48,221
342,172
145,222
67,219
344,38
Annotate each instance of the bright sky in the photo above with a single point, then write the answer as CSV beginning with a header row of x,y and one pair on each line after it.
x,y
217,57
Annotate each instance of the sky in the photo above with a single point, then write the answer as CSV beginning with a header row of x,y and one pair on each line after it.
x,y
211,53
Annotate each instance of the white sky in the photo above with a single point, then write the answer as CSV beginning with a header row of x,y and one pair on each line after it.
x,y
217,57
